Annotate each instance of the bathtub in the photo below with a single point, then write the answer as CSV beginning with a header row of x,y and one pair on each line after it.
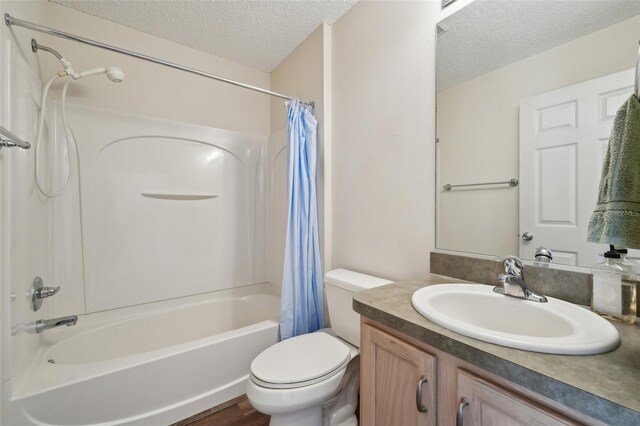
x,y
148,366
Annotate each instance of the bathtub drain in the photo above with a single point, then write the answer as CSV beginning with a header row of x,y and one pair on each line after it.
x,y
51,361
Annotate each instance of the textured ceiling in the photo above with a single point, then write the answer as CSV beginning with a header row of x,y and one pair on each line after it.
x,y
255,33
490,34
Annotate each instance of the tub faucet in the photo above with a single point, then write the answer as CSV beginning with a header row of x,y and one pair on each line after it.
x,y
513,283
42,325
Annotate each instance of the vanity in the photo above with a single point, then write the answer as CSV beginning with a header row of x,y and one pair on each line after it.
x,y
414,372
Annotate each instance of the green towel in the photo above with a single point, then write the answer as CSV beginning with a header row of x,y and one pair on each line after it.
x,y
616,218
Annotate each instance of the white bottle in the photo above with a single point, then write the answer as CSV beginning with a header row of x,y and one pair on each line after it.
x,y
614,289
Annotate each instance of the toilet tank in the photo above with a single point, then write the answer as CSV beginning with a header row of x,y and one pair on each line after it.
x,y
340,285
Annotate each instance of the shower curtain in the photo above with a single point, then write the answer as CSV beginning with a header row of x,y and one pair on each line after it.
x,y
302,305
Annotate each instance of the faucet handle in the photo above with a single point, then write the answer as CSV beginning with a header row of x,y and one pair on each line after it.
x,y
39,292
48,291
512,265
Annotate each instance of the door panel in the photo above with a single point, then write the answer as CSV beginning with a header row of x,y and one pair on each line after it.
x,y
563,139
557,192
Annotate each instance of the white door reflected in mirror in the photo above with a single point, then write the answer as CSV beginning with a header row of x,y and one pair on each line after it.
x,y
563,140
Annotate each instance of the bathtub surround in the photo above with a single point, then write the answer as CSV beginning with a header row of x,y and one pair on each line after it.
x,y
24,219
134,191
302,301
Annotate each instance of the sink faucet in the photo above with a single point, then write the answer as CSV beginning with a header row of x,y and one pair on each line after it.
x,y
513,283
42,325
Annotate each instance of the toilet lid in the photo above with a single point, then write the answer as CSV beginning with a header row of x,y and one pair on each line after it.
x,y
300,359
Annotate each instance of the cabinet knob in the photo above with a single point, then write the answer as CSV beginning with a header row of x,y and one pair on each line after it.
x,y
421,407
460,415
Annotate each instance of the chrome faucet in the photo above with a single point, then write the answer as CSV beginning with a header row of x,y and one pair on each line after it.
x,y
513,283
40,292
42,325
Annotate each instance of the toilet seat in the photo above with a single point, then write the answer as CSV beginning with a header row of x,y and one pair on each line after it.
x,y
300,361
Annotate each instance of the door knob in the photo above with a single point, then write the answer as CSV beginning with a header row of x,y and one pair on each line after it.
x,y
527,236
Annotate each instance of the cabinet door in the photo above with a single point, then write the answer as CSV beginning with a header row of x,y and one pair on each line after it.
x,y
394,375
490,405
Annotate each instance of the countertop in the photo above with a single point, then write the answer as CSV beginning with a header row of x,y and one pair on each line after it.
x,y
605,387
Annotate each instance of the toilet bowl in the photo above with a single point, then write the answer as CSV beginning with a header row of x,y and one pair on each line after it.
x,y
313,379
293,380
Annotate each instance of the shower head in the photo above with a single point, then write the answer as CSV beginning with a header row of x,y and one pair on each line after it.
x,y
113,73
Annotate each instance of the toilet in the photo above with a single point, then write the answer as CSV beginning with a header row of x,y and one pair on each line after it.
x,y
314,379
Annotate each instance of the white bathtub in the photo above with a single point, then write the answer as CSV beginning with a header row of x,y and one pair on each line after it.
x,y
150,368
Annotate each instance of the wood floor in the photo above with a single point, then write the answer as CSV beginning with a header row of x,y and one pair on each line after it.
x,y
237,412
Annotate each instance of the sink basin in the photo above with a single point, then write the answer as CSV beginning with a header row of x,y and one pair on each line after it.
x,y
555,327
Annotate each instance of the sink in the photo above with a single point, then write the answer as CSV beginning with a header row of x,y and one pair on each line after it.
x,y
554,327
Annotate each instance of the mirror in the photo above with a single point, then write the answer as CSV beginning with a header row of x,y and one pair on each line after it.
x,y
526,95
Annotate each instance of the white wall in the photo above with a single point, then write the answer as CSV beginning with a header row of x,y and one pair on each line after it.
x,y
485,146
383,138
304,74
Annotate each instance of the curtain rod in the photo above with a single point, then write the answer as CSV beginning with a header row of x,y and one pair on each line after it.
x,y
10,20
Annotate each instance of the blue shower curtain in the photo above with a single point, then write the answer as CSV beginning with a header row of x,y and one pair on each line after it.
x,y
302,305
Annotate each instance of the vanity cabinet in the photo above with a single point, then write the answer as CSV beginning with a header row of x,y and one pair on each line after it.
x,y
490,405
400,381
404,382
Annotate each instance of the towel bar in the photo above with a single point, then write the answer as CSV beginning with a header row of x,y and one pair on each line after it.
x,y
180,197
511,182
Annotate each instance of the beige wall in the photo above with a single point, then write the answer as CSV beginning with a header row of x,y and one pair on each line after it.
x,y
478,130
149,89
383,138
300,74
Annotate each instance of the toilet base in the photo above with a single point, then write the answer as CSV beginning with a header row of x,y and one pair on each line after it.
x,y
309,417
351,421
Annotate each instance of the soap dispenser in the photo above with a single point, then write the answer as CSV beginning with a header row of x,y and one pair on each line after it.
x,y
626,260
614,288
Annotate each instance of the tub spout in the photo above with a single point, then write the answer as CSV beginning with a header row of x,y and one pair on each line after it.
x,y
42,325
